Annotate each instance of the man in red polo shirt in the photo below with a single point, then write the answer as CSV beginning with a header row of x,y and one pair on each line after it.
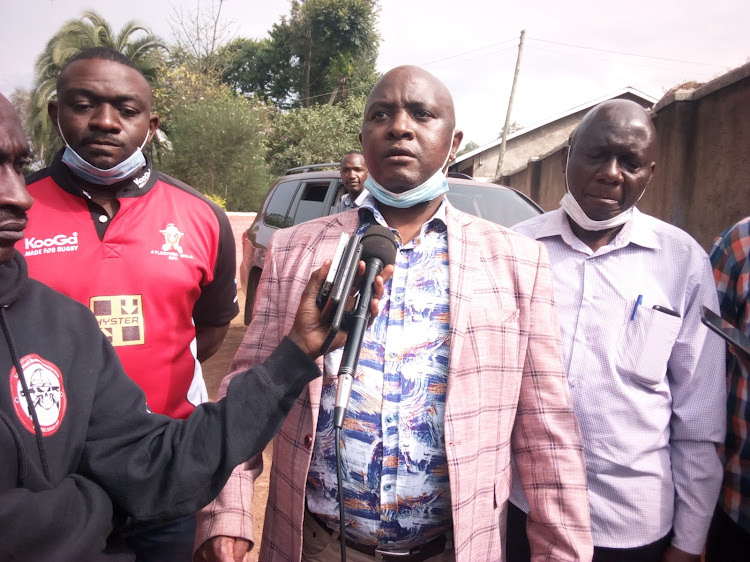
x,y
151,257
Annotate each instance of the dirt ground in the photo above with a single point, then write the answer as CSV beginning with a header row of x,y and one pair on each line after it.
x,y
213,371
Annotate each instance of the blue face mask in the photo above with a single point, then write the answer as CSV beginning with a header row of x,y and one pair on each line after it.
x,y
436,185
90,173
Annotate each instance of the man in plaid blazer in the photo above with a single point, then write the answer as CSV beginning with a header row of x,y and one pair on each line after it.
x,y
505,394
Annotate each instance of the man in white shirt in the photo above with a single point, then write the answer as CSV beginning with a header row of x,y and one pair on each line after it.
x,y
353,175
645,376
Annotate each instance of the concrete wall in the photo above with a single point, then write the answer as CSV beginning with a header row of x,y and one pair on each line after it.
x,y
240,223
702,178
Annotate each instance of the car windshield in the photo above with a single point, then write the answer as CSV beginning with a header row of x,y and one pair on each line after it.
x,y
502,206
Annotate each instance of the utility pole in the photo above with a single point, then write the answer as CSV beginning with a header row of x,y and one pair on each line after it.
x,y
510,107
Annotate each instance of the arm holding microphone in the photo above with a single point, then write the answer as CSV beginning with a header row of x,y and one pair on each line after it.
x,y
378,253
178,466
309,332
143,464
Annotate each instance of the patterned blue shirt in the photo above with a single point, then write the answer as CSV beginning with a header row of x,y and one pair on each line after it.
x,y
396,486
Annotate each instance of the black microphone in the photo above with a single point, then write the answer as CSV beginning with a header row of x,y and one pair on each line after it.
x,y
378,251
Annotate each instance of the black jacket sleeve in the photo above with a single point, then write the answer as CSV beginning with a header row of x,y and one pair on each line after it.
x,y
67,522
153,466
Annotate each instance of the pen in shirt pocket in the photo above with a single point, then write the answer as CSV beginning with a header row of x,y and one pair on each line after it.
x,y
638,302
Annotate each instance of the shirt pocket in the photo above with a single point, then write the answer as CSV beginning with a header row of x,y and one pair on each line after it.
x,y
647,344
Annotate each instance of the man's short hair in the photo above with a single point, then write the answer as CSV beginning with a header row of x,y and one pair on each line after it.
x,y
348,153
103,53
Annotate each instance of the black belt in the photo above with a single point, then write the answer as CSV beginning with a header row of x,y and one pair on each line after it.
x,y
414,554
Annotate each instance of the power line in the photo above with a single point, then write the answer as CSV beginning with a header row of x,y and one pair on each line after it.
x,y
327,94
644,63
626,54
468,52
540,41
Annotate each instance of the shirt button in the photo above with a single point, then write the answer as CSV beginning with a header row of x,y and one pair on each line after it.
x,y
308,440
103,218
389,419
573,382
387,487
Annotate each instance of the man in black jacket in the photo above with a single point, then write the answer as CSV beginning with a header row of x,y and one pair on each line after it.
x,y
77,441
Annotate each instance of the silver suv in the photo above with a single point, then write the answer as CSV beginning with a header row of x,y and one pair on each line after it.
x,y
305,193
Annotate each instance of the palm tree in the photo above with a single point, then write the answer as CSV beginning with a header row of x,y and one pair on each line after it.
x,y
134,41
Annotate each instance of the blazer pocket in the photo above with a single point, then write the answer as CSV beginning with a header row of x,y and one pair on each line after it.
x,y
496,334
505,315
647,345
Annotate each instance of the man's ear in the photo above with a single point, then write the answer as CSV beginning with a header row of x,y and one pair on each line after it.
x,y
458,136
153,125
359,137
52,109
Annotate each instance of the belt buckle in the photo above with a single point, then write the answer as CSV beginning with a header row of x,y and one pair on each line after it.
x,y
380,555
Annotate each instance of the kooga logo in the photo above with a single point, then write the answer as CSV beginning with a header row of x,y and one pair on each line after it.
x,y
59,240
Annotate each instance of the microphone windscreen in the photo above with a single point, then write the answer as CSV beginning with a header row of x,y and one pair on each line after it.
x,y
379,242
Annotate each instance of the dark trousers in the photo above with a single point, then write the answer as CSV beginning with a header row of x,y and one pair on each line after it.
x,y
517,544
727,541
156,541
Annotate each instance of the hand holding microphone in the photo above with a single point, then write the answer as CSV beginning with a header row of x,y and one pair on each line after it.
x,y
310,331
378,253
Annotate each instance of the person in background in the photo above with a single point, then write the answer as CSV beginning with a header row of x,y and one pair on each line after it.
x,y
460,369
151,257
353,175
645,375
729,535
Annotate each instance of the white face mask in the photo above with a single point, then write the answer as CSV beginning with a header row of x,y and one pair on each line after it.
x,y
574,211
90,173
435,185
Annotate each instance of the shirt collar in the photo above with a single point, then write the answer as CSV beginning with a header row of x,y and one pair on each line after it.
x,y
369,211
360,198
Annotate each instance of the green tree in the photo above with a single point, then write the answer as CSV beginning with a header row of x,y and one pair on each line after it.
x,y
261,68
318,54
182,85
468,147
91,30
514,127
316,134
217,147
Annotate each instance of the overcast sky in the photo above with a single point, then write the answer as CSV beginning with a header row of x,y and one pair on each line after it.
x,y
575,52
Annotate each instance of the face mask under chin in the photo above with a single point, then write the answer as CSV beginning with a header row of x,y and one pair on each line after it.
x,y
434,186
573,209
99,176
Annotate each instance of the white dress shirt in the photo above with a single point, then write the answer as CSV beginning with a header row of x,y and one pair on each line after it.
x,y
346,203
648,388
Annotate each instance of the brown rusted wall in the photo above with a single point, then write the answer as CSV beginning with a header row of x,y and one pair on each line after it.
x,y
702,179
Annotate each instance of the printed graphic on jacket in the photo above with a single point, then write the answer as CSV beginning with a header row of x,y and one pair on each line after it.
x,y
45,385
